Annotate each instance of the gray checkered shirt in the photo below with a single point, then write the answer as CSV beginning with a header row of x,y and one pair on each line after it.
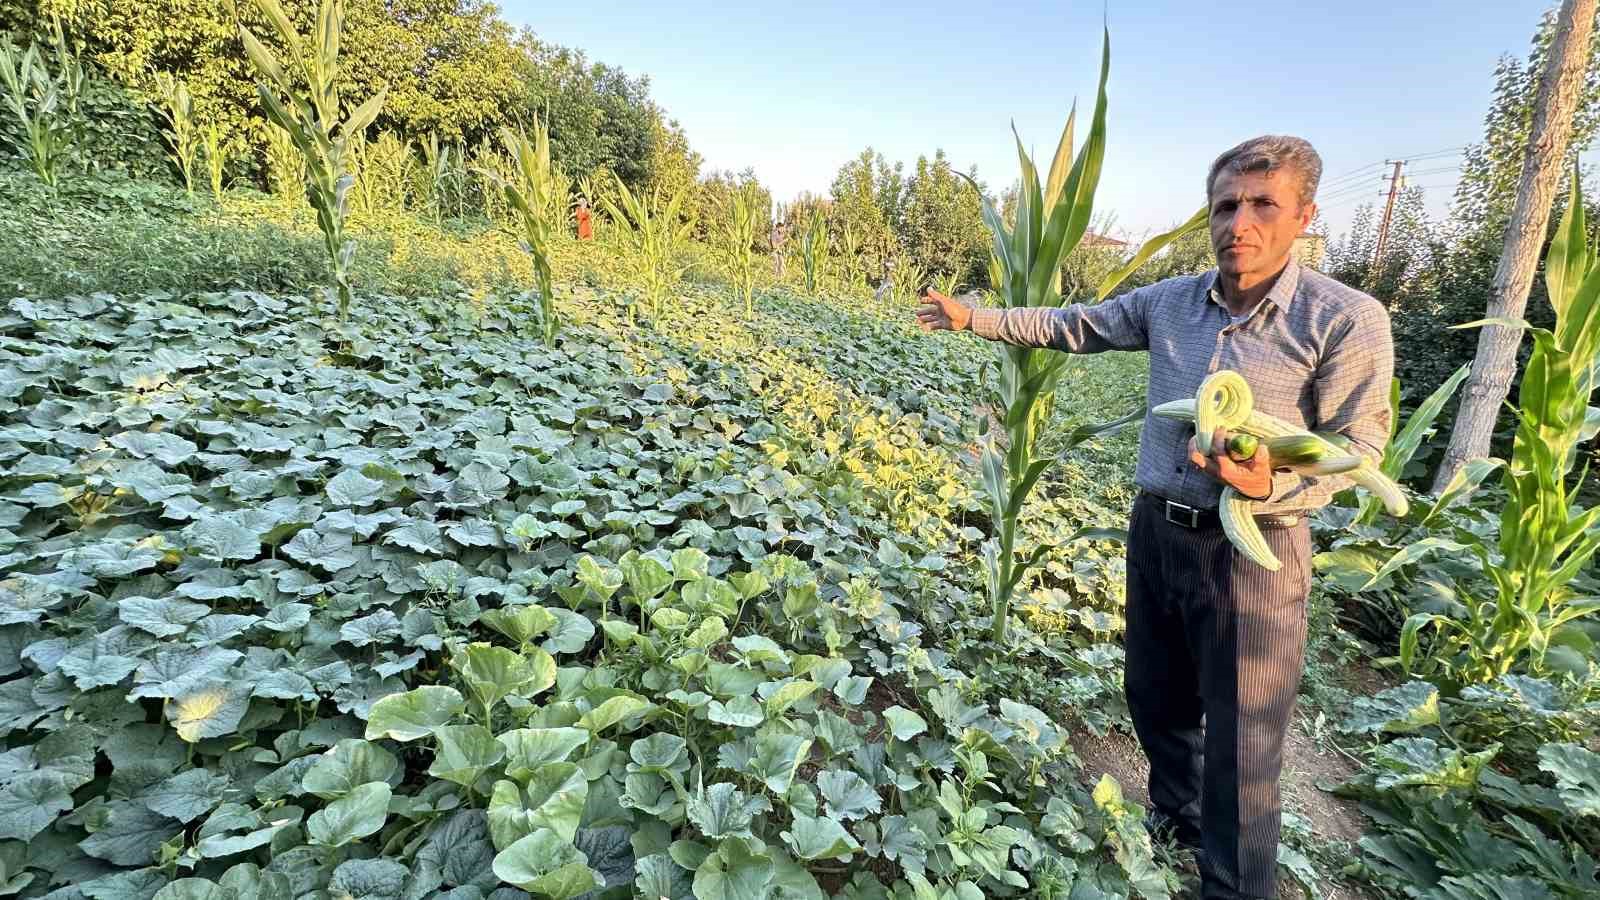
x,y
1315,352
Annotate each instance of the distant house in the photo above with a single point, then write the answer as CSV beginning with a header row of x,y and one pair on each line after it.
x,y
1309,249
1092,240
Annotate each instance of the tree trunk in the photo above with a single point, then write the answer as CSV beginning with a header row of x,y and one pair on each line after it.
x,y
1496,360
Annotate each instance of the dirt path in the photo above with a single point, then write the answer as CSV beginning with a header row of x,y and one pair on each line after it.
x,y
1305,766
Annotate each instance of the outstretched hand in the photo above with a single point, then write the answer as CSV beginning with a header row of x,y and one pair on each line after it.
x,y
940,313
1251,478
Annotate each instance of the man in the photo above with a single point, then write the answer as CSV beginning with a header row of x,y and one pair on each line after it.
x,y
1213,638
779,237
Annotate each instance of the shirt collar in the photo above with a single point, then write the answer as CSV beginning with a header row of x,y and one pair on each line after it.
x,y
1281,295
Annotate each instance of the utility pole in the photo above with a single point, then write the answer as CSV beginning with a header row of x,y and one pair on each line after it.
x,y
1388,212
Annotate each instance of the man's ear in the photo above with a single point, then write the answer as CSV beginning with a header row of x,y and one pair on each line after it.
x,y
1308,211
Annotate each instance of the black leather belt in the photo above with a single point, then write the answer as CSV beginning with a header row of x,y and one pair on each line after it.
x,y
1196,517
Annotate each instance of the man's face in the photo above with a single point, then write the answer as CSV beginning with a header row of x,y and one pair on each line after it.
x,y
1255,217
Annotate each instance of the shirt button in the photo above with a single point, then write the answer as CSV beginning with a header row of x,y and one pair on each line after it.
x,y
1178,469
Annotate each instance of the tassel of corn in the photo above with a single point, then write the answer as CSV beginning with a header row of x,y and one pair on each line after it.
x,y
1239,524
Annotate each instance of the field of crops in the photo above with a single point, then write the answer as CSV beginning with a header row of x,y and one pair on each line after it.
x,y
377,538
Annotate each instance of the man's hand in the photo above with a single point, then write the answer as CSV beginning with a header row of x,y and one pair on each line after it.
x,y
941,313
1252,478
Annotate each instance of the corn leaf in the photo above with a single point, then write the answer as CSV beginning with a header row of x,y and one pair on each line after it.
x,y
1151,248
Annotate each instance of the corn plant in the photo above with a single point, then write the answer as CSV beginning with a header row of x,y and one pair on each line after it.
x,y
286,168
850,263
44,106
814,247
907,278
384,169
214,143
1025,270
947,283
440,175
659,235
537,192
183,132
738,242
1545,538
492,170
310,115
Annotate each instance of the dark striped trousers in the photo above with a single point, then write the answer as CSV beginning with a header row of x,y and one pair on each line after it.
x,y
1215,645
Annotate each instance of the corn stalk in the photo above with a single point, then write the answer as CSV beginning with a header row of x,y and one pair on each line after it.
x,y
43,105
1545,538
738,239
536,191
215,145
441,174
1025,271
659,233
310,115
908,277
850,255
183,132
814,247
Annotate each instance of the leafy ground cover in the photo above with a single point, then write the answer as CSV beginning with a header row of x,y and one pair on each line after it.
x,y
418,604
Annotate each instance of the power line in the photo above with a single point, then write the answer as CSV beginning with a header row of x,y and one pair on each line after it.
x,y
1456,168
1447,151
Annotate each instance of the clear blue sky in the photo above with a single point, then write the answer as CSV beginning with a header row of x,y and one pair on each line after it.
x,y
795,89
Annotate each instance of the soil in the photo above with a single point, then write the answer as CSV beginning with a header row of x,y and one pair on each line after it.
x,y
1305,767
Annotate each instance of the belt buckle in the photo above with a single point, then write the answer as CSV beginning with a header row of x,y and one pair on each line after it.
x,y
1191,513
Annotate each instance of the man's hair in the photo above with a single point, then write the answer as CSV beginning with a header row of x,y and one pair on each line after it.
x,y
1270,153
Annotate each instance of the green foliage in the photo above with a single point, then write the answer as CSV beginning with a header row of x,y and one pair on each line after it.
x,y
184,135
659,233
601,119
737,240
385,170
814,247
217,149
867,200
1025,268
311,117
43,105
537,192
1545,540
941,226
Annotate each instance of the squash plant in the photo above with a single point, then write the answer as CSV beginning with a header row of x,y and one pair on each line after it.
x,y
1025,270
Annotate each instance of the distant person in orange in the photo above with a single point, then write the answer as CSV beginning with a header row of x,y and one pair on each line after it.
x,y
585,220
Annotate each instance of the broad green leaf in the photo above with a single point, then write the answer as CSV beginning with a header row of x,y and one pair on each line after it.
x,y
222,538
613,711
347,765
187,795
544,864
723,810
820,838
572,632
847,795
162,617
356,815
350,488
1399,710
740,712
903,723
414,714
465,753
554,797
493,673
30,801
739,870
192,889
787,695
129,834
520,623
209,712
690,564
660,752
369,879
1577,773
776,759
527,749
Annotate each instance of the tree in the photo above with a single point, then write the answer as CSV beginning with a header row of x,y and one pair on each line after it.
x,y
601,119
1560,91
868,196
942,226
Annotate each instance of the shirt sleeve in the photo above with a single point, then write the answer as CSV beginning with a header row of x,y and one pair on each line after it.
x,y
1119,323
1352,398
